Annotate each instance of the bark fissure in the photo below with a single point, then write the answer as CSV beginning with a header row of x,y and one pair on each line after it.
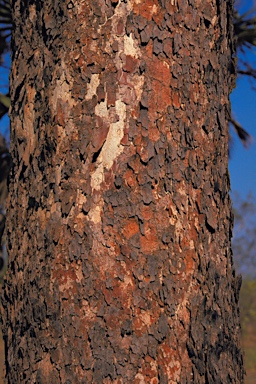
x,y
119,217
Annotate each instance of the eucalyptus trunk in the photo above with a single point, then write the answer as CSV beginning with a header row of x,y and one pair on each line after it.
x,y
119,218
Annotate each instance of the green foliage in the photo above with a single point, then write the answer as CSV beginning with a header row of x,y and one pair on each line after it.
x,y
244,249
248,304
248,320
5,102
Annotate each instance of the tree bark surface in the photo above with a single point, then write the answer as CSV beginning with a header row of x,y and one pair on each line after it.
x,y
119,219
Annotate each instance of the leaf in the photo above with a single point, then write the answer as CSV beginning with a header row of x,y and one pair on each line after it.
x,y
5,100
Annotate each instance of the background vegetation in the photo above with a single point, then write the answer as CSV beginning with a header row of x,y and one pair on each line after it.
x,y
244,249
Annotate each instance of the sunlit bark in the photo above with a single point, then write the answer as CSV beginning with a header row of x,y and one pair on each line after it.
x,y
119,219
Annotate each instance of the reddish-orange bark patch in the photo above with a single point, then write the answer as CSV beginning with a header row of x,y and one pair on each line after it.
x,y
149,242
131,228
176,99
146,8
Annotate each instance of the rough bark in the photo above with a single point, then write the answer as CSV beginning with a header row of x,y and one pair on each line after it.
x,y
5,163
119,220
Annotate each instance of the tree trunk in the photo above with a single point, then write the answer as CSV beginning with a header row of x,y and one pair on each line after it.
x,y
119,220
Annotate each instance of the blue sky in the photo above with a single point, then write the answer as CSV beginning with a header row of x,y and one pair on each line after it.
x,y
242,164
4,71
